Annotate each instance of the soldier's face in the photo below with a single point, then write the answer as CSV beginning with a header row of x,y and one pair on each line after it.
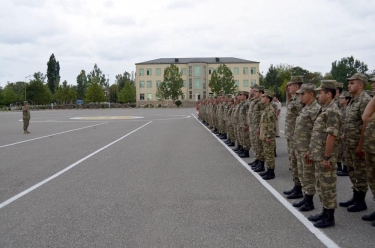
x,y
355,86
292,88
322,97
343,101
264,100
306,97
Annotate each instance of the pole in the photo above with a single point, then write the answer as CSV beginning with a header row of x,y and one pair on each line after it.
x,y
25,85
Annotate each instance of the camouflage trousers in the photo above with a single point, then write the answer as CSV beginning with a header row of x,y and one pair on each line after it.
x,y
306,174
238,135
357,170
341,153
293,163
259,152
326,180
269,153
25,124
230,132
245,139
370,168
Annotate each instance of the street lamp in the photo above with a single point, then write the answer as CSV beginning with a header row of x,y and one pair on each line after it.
x,y
25,85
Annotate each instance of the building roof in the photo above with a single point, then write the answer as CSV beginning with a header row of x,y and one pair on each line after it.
x,y
210,60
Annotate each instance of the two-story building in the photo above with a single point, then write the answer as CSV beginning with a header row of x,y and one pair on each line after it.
x,y
196,73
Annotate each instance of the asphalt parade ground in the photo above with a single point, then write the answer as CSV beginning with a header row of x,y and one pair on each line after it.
x,y
149,178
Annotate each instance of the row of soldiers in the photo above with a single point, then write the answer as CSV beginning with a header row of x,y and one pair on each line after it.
x,y
324,131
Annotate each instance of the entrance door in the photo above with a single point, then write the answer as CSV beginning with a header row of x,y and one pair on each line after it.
x,y
197,96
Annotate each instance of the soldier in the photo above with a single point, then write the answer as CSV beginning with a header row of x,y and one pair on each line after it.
x,y
278,111
354,129
230,131
339,88
369,148
267,134
294,106
345,98
252,133
239,148
302,136
26,117
256,117
322,153
244,129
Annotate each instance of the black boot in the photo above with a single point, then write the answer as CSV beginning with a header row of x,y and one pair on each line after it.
x,y
309,204
225,135
288,192
299,203
245,154
222,136
360,204
351,201
315,218
237,148
232,144
296,193
262,174
369,217
270,175
260,168
373,223
254,162
343,172
339,167
240,150
328,219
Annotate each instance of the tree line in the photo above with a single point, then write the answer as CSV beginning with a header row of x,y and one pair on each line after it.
x,y
91,88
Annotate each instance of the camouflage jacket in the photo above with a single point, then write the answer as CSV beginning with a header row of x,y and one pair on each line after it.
x,y
235,114
369,139
327,122
257,113
25,113
242,113
353,119
267,123
251,111
292,109
304,126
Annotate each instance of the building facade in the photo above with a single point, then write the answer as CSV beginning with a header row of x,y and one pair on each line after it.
x,y
196,73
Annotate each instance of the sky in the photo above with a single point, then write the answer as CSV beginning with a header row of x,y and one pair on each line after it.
x,y
116,34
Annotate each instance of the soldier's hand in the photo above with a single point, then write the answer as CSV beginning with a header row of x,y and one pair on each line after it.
x,y
307,158
268,141
327,164
360,152
246,128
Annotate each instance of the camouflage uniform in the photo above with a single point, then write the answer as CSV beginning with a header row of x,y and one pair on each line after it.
x,y
245,139
327,122
238,127
352,132
235,122
302,136
252,132
293,108
257,113
268,131
26,117
369,148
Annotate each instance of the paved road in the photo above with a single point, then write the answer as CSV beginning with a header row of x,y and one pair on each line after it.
x,y
158,181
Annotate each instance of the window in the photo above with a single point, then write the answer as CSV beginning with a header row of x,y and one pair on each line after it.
x,y
204,71
253,82
149,84
190,84
141,84
204,94
210,71
149,96
141,72
158,83
183,71
253,70
245,83
149,72
236,83
236,70
158,71
197,71
184,83
204,83
190,95
245,70
190,71
197,83
141,96
183,97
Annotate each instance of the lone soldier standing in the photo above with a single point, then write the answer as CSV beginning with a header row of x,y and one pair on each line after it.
x,y
26,116
322,153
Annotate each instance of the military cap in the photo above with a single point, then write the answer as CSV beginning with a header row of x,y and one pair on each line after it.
x,y
245,93
358,76
372,80
268,93
228,95
306,87
327,84
255,86
259,88
345,94
295,79
339,85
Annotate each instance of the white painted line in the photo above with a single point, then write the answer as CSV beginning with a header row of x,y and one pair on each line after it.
x,y
25,192
317,232
188,116
50,135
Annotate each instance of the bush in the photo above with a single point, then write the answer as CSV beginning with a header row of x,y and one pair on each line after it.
x,y
178,103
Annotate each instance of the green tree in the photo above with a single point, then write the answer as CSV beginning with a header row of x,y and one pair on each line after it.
x,y
38,76
127,93
95,93
162,92
9,96
113,93
173,81
272,81
122,79
1,95
65,93
19,89
97,76
222,81
81,84
346,67
53,73
38,93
